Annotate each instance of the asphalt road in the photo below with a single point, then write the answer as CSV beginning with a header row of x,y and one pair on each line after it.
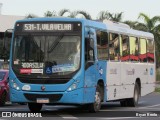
x,y
148,109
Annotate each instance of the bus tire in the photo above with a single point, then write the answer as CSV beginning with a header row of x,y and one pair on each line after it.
x,y
96,106
133,102
34,107
3,98
124,103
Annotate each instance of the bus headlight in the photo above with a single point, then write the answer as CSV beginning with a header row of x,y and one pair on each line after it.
x,y
26,87
73,86
14,85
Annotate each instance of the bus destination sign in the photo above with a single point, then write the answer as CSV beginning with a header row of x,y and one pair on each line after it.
x,y
47,27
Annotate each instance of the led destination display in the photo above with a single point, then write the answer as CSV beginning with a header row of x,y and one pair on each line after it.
x,y
48,27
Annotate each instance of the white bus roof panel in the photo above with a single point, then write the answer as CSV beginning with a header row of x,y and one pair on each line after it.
x,y
125,29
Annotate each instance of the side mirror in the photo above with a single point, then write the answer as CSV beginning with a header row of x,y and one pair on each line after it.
x,y
7,80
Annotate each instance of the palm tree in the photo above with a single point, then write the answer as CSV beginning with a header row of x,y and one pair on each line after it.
x,y
152,25
63,11
117,17
73,14
50,14
103,15
54,13
85,14
31,16
135,25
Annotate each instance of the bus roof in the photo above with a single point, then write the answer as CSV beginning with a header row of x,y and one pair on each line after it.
x,y
105,25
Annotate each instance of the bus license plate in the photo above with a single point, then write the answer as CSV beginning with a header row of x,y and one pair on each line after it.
x,y
42,100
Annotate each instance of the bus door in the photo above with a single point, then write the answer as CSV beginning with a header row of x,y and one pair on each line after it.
x,y
113,68
90,67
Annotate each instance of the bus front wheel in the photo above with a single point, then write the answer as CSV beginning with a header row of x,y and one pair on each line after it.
x,y
34,107
96,106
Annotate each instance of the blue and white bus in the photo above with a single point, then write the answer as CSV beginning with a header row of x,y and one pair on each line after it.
x,y
80,62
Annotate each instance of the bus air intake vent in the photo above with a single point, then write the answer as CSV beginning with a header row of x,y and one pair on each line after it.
x,y
51,97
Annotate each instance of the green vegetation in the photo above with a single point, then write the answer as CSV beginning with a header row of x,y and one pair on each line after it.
x,y
157,90
158,75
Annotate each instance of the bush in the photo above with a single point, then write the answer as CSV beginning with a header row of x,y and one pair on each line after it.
x,y
158,74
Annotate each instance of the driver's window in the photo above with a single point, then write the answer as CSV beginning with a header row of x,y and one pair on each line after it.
x,y
89,49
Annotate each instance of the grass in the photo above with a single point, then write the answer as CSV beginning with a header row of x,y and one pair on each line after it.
x,y
157,79
157,90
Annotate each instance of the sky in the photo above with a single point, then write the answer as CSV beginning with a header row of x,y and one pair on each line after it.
x,y
130,8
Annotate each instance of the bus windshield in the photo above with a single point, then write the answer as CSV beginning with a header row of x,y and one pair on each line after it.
x,y
47,54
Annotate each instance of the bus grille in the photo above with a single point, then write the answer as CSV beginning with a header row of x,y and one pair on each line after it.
x,y
51,97
43,80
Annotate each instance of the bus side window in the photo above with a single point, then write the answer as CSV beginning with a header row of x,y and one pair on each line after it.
x,y
134,49
114,49
143,50
102,45
125,55
150,51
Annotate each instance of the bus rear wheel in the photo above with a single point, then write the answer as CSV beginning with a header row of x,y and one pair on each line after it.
x,y
34,107
132,102
96,106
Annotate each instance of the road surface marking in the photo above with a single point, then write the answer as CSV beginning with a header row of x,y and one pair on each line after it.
x,y
141,102
50,109
149,106
67,116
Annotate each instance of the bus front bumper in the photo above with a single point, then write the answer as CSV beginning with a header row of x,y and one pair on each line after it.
x,y
69,97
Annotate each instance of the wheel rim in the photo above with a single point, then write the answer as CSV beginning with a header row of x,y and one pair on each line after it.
x,y
97,100
136,96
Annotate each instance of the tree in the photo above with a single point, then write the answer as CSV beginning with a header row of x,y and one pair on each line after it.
x,y
63,11
85,14
73,14
117,17
132,24
31,16
50,14
152,25
103,15
54,13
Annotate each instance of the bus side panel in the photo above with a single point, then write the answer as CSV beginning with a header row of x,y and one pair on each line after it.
x,y
149,86
101,75
152,77
92,75
129,73
89,84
